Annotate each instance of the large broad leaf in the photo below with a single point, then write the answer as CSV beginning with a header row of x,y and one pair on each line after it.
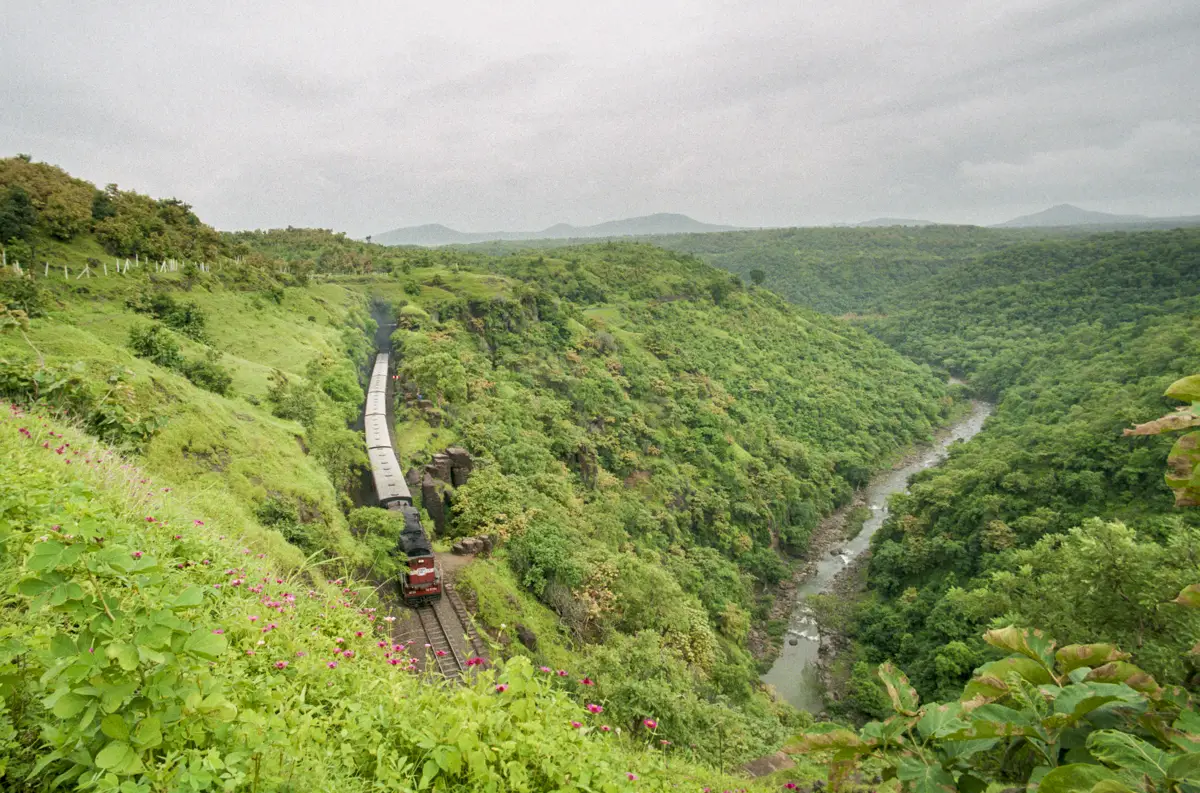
x,y
824,737
206,644
904,696
1074,656
1185,768
1075,778
989,680
887,731
1185,390
1130,675
1031,643
1129,752
922,778
1080,699
1183,470
1190,596
941,720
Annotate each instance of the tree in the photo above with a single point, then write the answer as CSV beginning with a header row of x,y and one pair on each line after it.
x,y
757,277
17,215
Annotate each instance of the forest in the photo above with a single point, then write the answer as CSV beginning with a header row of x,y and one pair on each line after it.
x,y
656,439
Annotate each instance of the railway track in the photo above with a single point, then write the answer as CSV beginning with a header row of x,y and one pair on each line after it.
x,y
448,661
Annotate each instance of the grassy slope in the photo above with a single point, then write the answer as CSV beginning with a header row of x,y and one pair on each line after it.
x,y
226,446
242,721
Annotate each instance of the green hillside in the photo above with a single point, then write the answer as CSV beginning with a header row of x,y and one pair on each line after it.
x,y
655,443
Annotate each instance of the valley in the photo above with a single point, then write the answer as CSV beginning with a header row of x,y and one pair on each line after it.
x,y
659,431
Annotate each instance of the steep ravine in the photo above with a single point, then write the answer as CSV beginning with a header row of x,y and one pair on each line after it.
x,y
795,675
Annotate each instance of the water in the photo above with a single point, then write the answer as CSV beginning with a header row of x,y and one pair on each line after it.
x,y
794,674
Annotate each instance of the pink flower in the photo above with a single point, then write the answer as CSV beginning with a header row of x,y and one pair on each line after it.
x,y
546,669
253,618
382,644
359,635
137,554
332,664
651,724
179,536
300,653
249,652
605,728
281,664
428,645
665,742
594,708
632,776
790,786
394,661
149,518
500,689
576,725
562,672
338,640
218,631
587,681
348,653
199,523
440,653
476,661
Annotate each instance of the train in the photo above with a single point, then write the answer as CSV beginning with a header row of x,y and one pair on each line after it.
x,y
422,583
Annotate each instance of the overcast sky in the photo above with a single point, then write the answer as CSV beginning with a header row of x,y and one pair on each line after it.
x,y
511,114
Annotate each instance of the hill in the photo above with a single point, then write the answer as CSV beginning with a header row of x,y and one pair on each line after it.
x,y
840,270
1067,215
661,223
876,222
654,442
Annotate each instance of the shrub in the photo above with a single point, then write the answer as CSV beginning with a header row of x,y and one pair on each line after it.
x,y
208,373
156,344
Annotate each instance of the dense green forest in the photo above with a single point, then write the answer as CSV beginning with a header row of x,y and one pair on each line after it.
x,y
832,270
654,442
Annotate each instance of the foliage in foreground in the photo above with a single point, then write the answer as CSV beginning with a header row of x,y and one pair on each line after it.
x,y
1079,719
143,650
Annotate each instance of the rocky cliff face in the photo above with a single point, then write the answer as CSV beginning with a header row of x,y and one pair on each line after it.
x,y
437,481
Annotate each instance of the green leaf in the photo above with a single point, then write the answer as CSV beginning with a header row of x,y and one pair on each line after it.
x,y
1185,768
52,554
941,720
904,696
118,757
148,733
1075,778
1190,596
1129,752
192,596
989,680
1185,390
125,654
428,773
827,736
924,778
1029,643
1183,470
115,727
206,644
1121,672
969,783
1074,656
1082,698
69,706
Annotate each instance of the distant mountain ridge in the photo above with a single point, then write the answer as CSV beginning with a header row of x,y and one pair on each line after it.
x,y
882,222
1070,215
659,223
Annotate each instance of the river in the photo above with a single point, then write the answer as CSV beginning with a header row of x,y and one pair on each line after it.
x,y
794,674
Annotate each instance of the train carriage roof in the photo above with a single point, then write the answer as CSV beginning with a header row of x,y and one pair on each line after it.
x,y
376,404
389,479
376,429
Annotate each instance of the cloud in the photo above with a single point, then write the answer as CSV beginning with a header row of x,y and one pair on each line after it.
x,y
484,115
